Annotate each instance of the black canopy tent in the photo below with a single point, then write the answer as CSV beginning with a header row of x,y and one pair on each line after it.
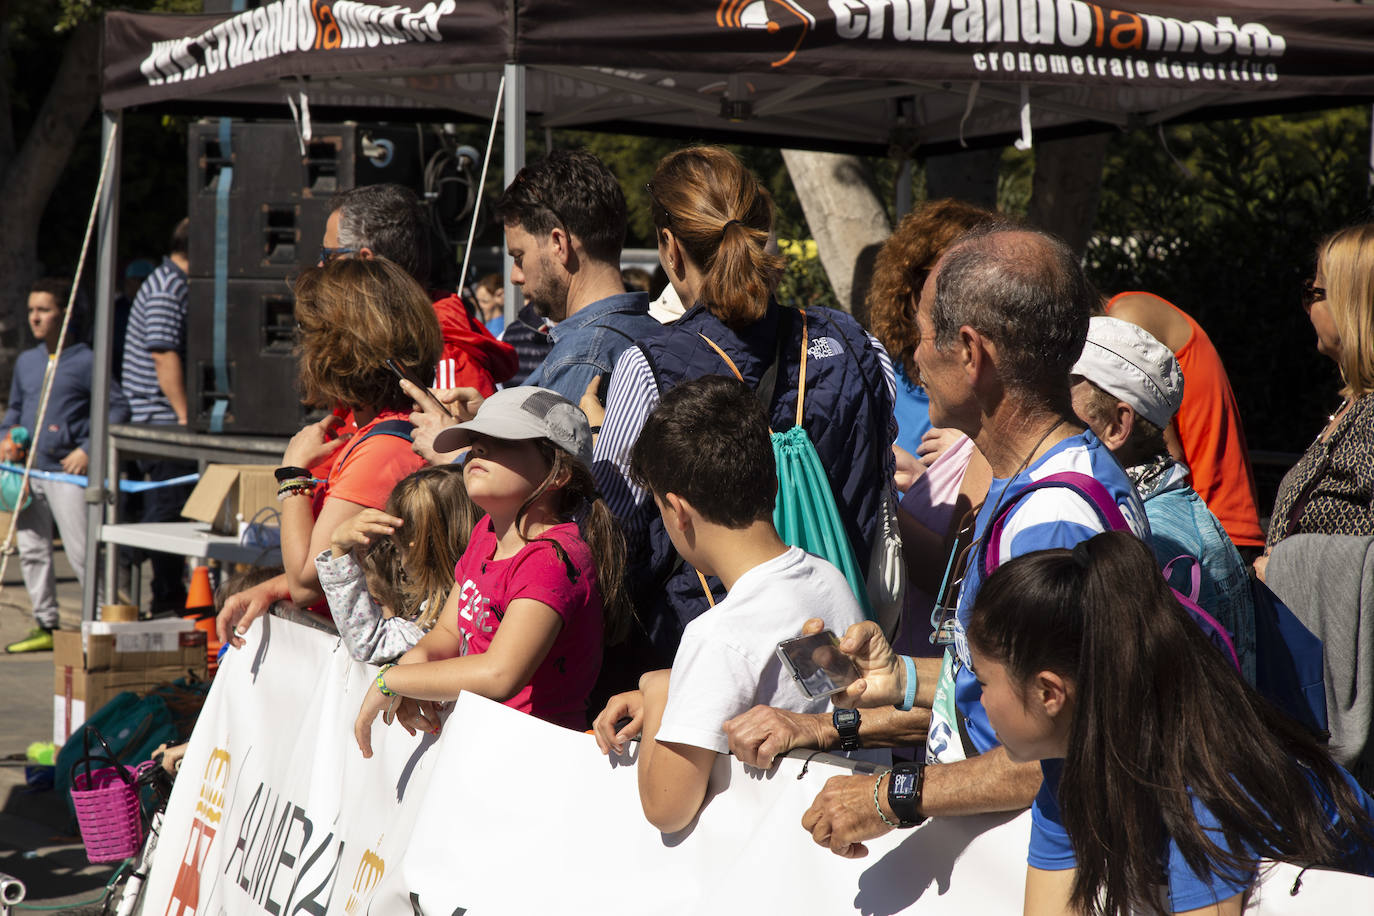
x,y
868,76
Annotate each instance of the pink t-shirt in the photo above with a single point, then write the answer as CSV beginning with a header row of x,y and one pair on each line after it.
x,y
560,686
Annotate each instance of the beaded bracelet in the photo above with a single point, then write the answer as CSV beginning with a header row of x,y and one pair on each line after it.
x,y
875,794
381,682
295,486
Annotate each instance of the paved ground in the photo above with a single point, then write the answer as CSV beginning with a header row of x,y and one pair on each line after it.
x,y
39,844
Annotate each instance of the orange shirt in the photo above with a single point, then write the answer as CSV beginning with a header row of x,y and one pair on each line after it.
x,y
1209,428
366,472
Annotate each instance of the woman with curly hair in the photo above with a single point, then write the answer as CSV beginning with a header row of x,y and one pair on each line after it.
x,y
899,272
353,315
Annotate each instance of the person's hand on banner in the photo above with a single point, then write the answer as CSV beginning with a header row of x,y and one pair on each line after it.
x,y
629,705
761,735
242,608
843,816
415,715
374,702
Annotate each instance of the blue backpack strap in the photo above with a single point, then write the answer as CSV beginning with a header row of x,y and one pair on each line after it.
x,y
401,429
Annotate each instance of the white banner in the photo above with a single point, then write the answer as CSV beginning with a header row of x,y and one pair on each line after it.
x,y
276,811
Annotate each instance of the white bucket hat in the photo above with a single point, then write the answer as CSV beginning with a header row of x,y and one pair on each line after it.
x,y
1125,361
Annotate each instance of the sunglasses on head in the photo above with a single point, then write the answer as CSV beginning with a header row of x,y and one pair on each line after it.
x,y
1312,293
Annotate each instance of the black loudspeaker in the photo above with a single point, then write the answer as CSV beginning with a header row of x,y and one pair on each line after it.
x,y
276,206
277,197
261,396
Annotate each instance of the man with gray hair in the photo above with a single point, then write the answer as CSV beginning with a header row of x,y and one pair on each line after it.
x,y
387,220
1127,386
1002,318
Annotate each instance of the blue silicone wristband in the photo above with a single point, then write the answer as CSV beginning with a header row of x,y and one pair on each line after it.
x,y
909,700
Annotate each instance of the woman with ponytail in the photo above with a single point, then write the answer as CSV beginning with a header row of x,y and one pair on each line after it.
x,y
713,221
1167,778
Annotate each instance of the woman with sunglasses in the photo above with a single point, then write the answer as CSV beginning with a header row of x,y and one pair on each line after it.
x,y
1319,554
1331,488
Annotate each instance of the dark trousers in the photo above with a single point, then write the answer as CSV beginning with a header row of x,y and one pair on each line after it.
x,y
162,504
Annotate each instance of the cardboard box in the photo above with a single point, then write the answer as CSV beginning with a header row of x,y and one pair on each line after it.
x,y
80,689
227,492
143,644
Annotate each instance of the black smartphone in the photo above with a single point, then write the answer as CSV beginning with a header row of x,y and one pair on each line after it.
x,y
401,372
817,664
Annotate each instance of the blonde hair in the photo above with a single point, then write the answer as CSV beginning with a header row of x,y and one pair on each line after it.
x,y
1346,261
437,521
722,217
353,314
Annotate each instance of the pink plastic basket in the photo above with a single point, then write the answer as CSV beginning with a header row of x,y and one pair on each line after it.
x,y
107,806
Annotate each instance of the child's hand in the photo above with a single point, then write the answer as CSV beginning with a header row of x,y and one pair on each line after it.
x,y
415,715
375,702
628,705
359,530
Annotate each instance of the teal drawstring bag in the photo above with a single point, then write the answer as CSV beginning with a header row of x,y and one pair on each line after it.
x,y
805,512
11,489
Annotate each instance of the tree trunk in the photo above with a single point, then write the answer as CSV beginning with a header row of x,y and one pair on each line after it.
x,y
1067,186
847,220
29,178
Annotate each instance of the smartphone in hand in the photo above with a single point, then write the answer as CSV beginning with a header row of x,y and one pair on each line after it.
x,y
817,664
401,372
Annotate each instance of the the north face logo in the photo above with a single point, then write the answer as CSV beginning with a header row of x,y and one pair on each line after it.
x,y
759,14
823,347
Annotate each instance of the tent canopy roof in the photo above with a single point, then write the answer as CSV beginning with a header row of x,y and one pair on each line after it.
x,y
866,75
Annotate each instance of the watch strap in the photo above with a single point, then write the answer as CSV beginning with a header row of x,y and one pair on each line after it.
x,y
290,473
846,722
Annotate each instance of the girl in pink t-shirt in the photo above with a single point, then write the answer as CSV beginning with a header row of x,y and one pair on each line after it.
x,y
540,586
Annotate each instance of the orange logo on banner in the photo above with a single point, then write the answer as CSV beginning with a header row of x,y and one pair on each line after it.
x,y
757,14
209,810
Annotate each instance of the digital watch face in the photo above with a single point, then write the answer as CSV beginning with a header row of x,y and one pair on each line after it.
x,y
846,718
903,784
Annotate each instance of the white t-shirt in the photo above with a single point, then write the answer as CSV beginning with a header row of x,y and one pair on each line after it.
x,y
727,661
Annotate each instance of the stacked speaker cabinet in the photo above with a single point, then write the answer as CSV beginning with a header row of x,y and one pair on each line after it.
x,y
265,222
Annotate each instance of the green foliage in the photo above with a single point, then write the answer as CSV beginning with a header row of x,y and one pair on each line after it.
x,y
1223,219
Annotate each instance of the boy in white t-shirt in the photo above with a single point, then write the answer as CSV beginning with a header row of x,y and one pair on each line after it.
x,y
706,456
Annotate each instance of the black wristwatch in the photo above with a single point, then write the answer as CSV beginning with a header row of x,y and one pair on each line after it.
x,y
904,788
846,722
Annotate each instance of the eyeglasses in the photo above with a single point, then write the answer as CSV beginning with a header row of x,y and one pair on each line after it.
x,y
946,609
1311,293
330,254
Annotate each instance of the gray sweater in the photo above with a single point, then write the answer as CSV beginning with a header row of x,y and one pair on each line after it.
x,y
1328,581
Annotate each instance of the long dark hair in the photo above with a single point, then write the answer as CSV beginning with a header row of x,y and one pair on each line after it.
x,y
1161,719
580,501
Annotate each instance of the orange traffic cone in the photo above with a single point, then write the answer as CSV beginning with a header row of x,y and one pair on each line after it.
x,y
199,596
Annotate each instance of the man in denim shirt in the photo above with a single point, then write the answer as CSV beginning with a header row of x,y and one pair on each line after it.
x,y
1126,387
565,226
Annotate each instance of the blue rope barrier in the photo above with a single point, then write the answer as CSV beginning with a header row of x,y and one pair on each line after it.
x,y
125,486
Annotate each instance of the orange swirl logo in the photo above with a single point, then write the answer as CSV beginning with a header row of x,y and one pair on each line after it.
x,y
759,14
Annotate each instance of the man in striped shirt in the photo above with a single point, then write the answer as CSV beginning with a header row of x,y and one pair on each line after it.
x,y
154,380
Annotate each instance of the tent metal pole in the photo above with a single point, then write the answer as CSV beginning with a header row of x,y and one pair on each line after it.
x,y
105,290
514,161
